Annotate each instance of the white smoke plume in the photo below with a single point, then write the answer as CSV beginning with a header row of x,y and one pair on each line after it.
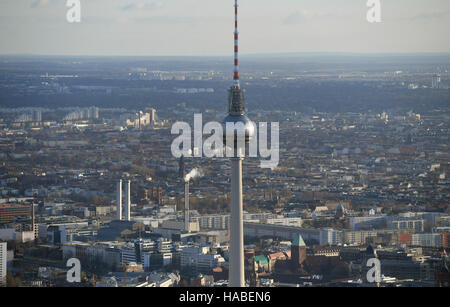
x,y
193,174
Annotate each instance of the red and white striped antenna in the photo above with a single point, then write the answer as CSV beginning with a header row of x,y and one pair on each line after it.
x,y
236,48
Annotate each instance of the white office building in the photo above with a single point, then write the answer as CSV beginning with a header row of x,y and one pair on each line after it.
x,y
436,82
200,259
415,224
331,237
368,222
213,222
262,230
128,254
426,239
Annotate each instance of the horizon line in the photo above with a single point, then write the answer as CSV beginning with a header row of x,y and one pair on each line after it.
x,y
293,53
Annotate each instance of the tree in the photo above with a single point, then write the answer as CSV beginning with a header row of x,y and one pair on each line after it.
x,y
127,234
98,200
340,270
12,281
84,278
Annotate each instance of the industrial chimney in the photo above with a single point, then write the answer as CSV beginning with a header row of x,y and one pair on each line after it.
x,y
33,221
128,200
186,207
119,200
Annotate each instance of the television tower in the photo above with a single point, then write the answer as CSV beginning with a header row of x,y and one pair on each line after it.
x,y
236,115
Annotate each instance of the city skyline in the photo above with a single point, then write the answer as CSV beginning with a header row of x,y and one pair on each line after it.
x,y
156,172
195,27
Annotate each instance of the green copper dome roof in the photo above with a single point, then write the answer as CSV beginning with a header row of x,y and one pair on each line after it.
x,y
261,259
298,241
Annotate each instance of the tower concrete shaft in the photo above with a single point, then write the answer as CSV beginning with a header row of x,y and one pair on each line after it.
x,y
237,278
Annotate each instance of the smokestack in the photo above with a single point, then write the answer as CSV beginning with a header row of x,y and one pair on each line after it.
x,y
33,221
119,200
186,207
140,120
128,200
193,174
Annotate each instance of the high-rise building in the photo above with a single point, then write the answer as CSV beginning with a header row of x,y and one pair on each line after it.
x,y
436,81
37,115
81,114
56,235
93,113
24,117
153,116
3,263
9,212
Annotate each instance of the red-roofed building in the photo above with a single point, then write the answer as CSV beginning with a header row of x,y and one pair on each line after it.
x,y
273,258
445,240
219,273
405,239
407,150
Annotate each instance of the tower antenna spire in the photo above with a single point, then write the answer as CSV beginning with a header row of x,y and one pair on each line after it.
x,y
236,47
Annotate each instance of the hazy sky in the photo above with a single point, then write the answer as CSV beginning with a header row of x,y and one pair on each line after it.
x,y
205,27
